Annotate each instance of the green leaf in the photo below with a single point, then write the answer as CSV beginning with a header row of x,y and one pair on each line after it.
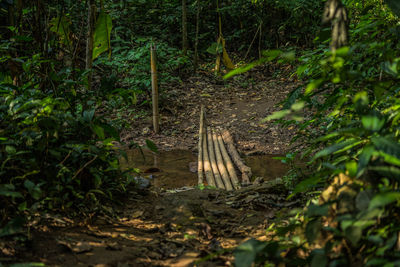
x,y
102,35
319,258
394,6
297,106
277,115
215,48
387,171
306,184
387,145
384,199
15,226
351,167
8,190
372,123
150,145
61,26
29,264
99,131
364,159
246,253
11,150
314,84
353,233
336,147
317,210
362,200
313,229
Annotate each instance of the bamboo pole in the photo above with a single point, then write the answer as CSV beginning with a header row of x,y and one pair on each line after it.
x,y
154,87
220,163
206,161
246,171
211,154
200,148
228,162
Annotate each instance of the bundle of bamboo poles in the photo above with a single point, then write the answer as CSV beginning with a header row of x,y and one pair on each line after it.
x,y
217,156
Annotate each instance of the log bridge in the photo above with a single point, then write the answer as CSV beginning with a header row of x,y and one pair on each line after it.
x,y
218,158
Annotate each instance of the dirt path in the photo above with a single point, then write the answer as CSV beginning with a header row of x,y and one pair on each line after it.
x,y
176,228
238,104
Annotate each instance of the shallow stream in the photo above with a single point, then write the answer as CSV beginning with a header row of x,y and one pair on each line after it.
x,y
177,168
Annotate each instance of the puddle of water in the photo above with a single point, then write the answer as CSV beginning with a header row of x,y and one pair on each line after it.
x,y
170,169
267,167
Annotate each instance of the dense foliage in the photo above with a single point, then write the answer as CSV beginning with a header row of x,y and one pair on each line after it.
x,y
351,129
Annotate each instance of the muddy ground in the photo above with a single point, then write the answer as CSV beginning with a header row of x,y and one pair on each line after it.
x,y
173,223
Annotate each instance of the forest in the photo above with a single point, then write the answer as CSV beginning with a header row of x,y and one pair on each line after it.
x,y
200,133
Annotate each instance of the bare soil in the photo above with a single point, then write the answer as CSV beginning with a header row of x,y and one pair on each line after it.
x,y
238,104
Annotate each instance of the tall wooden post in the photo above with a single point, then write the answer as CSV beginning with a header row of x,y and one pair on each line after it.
x,y
154,87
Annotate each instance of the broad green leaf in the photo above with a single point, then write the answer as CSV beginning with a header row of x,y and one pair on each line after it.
x,y
298,106
387,171
102,34
243,69
337,147
29,264
61,26
362,200
314,84
306,184
372,123
317,210
215,48
15,226
389,158
319,258
8,190
384,199
353,233
99,131
150,145
245,254
11,150
88,115
277,115
364,159
387,145
351,167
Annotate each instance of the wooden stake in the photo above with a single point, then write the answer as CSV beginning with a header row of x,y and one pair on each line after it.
x,y
154,87
200,148
220,163
228,162
246,171
211,154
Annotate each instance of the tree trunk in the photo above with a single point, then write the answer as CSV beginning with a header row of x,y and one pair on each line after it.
x,y
185,44
89,39
335,13
196,43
